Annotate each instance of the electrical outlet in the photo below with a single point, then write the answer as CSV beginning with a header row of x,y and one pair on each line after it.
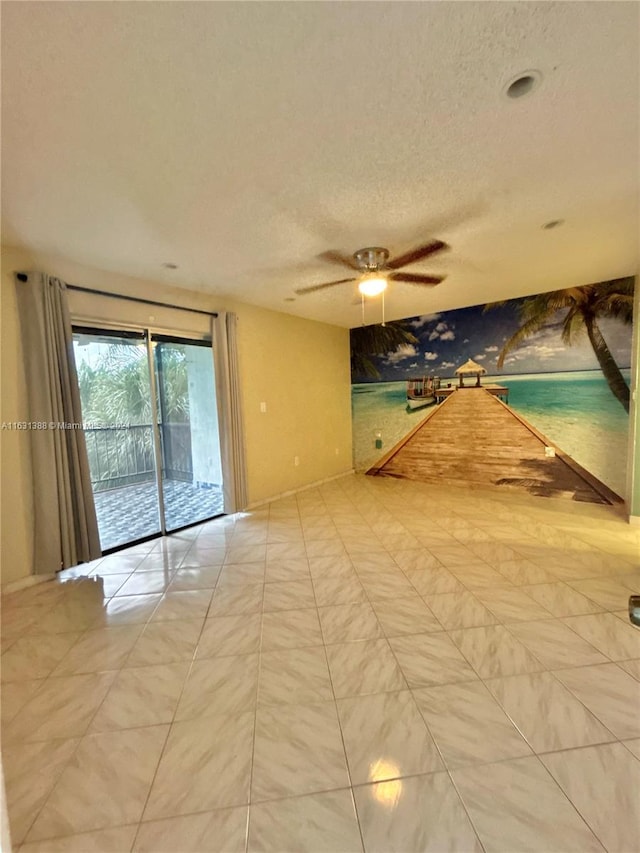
x,y
296,460
263,407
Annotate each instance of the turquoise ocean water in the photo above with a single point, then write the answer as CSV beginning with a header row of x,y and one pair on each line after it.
x,y
576,411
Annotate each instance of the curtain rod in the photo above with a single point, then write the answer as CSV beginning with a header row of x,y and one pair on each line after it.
x,y
109,294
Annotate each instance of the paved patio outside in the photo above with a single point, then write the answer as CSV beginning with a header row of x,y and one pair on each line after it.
x,y
131,512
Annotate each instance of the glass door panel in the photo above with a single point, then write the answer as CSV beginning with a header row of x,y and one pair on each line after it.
x,y
115,393
188,429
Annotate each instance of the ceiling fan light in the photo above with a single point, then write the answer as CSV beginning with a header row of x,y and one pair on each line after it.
x,y
372,286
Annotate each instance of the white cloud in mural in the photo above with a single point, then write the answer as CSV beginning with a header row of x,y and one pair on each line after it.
x,y
430,356
466,341
543,346
414,364
491,349
402,352
480,357
442,332
423,319
545,352
447,364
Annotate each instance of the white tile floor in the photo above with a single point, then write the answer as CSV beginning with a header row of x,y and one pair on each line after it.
x,y
374,664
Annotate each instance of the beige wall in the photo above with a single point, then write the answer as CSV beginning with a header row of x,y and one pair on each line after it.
x,y
299,368
16,507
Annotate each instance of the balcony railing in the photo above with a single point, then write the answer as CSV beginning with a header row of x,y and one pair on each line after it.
x,y
121,456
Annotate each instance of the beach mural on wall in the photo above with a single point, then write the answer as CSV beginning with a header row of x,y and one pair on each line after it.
x,y
564,357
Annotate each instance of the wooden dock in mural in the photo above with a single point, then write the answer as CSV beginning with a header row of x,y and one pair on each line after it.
x,y
495,390
473,438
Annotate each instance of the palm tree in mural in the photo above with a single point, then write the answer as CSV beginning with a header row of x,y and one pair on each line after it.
x,y
584,306
367,341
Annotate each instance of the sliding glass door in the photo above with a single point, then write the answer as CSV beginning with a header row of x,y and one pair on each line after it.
x,y
188,429
150,421
115,392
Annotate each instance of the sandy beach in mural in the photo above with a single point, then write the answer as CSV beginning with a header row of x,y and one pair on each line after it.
x,y
573,410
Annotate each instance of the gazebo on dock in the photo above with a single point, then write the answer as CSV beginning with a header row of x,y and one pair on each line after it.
x,y
470,368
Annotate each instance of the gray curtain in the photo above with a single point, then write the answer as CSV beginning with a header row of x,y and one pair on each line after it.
x,y
65,526
232,450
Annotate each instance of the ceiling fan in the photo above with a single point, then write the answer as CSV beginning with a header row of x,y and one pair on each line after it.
x,y
375,269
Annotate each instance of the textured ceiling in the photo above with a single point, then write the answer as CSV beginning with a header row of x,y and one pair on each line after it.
x,y
241,140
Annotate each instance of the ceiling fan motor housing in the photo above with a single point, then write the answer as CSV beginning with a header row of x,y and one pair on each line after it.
x,y
373,262
371,259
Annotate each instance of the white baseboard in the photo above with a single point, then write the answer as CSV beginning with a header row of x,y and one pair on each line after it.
x,y
634,520
288,494
24,583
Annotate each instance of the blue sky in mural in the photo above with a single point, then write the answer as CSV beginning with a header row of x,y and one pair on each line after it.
x,y
447,339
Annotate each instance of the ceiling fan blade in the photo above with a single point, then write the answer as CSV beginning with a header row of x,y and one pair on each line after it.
x,y
303,290
417,254
411,278
335,257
